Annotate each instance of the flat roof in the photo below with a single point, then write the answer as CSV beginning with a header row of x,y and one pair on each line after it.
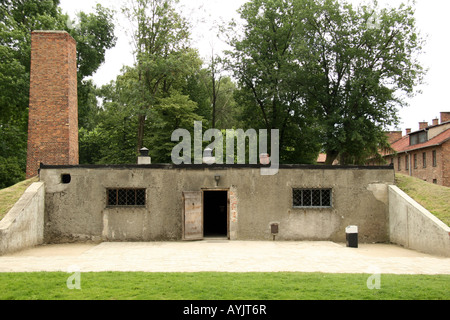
x,y
217,166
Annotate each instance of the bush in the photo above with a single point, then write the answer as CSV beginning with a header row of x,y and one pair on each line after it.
x,y
10,172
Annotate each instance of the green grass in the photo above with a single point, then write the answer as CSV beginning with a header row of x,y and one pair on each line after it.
x,y
221,286
9,196
432,197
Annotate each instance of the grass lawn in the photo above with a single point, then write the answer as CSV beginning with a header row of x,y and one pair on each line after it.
x,y
433,197
221,286
9,196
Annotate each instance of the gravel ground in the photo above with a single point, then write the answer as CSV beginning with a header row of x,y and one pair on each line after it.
x,y
225,256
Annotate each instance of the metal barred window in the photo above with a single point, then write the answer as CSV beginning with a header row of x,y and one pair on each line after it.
x,y
311,198
126,197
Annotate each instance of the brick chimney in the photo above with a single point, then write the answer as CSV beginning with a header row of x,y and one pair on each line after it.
x,y
435,122
423,125
445,116
408,131
53,110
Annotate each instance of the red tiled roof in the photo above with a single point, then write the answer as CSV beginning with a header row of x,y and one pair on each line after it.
x,y
402,145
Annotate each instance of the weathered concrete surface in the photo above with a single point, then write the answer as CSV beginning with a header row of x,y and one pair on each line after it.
x,y
225,256
78,211
23,226
414,227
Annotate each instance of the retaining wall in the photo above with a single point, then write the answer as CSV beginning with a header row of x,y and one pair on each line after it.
x,y
414,227
23,226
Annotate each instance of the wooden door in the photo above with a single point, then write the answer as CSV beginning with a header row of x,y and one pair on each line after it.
x,y
192,216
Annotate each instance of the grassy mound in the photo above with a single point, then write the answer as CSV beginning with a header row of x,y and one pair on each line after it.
x,y
9,196
432,197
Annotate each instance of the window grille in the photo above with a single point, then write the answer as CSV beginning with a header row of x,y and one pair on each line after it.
x,y
126,197
312,198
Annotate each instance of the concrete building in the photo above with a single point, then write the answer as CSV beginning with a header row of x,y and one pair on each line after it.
x,y
167,202
425,153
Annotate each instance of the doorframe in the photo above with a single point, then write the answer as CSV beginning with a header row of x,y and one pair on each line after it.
x,y
228,207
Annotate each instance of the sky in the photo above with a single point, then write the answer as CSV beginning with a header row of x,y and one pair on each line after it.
x,y
205,16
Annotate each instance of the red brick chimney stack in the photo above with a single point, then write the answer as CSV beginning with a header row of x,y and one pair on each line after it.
x,y
53,110
435,122
445,117
423,125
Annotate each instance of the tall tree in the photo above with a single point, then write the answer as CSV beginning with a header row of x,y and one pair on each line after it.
x,y
162,51
357,64
266,66
326,68
216,77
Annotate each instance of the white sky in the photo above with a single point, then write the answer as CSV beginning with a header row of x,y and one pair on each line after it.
x,y
432,20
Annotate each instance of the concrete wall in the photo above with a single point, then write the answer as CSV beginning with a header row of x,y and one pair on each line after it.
x,y
413,227
23,226
78,210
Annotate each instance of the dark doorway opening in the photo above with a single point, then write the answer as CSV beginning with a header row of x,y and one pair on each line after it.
x,y
215,213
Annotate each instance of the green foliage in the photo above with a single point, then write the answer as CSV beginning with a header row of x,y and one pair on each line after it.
x,y
17,20
266,65
163,56
197,89
357,63
113,140
13,148
11,171
94,34
323,62
171,113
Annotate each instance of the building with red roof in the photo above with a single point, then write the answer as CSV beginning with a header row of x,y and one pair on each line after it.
x,y
425,153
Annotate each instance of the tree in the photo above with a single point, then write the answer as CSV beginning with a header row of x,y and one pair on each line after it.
x,y
226,110
163,56
94,34
221,91
266,66
113,139
17,20
171,113
356,65
325,68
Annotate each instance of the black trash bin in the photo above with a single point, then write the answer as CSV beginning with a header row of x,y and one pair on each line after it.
x,y
352,236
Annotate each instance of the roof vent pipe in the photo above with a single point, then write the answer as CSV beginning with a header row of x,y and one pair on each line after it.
x,y
144,157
